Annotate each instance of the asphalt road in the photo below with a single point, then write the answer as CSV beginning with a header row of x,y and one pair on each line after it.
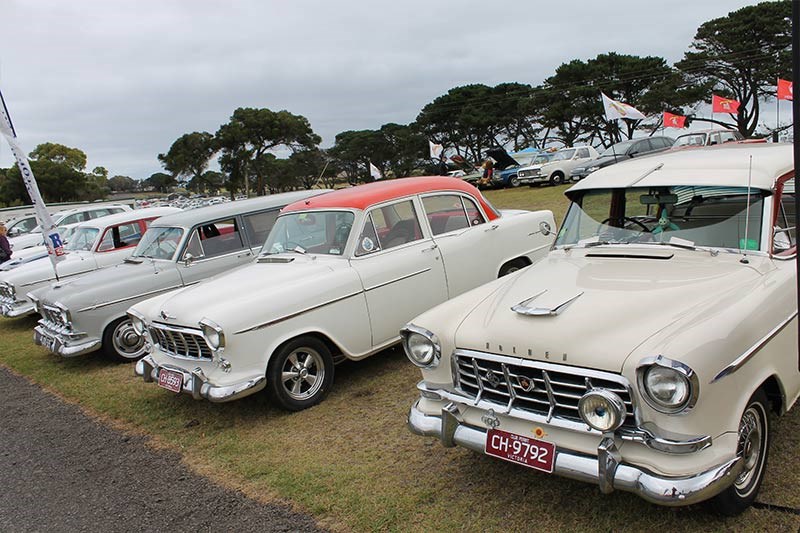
x,y
63,471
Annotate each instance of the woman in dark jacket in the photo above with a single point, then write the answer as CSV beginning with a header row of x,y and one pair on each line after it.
x,y
5,247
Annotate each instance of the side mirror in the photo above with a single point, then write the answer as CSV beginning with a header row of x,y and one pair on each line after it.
x,y
188,259
781,240
14,232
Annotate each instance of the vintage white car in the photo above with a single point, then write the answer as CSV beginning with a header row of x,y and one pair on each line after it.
x,y
558,168
88,312
95,244
337,278
646,351
67,217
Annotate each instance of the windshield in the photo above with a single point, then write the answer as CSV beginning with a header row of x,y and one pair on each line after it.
x,y
320,232
563,155
617,149
159,243
705,216
693,139
82,239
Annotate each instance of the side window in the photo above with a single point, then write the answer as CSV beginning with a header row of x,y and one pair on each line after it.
x,y
193,247
97,213
219,238
714,139
257,226
583,153
784,240
396,224
473,213
727,137
642,147
659,143
71,219
120,236
446,213
368,240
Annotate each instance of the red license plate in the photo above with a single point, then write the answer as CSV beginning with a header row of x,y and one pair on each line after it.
x,y
170,380
533,453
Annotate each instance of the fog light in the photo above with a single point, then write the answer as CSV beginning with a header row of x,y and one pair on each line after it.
x,y
602,410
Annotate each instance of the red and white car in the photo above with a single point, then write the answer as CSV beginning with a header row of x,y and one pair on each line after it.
x,y
337,278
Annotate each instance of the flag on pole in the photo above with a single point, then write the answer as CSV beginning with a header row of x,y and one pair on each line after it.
x,y
615,109
724,105
785,90
436,150
674,121
374,172
52,238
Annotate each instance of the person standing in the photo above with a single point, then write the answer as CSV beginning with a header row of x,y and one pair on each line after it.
x,y
5,247
488,173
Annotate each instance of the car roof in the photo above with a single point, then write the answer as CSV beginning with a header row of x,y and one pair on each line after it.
x,y
128,216
724,165
193,217
369,194
707,130
91,207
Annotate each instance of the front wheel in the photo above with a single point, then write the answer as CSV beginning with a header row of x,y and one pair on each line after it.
x,y
753,448
300,373
121,343
514,181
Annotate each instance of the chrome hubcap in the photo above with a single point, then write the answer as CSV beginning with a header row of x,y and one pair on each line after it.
x,y
303,373
127,342
750,442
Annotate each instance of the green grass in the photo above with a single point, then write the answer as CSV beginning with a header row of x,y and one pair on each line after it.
x,y
352,463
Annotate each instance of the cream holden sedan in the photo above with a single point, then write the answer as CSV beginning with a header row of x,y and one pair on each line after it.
x,y
337,278
648,350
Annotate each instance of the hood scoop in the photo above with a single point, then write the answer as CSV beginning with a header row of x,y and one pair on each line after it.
x,y
273,259
545,304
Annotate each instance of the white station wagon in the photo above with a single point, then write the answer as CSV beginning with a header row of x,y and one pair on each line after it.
x,y
88,312
337,278
95,244
645,352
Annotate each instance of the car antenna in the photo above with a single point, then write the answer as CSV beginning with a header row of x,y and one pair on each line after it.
x,y
744,259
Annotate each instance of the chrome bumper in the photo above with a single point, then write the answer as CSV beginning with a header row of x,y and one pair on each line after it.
x,y
17,309
605,470
64,348
196,383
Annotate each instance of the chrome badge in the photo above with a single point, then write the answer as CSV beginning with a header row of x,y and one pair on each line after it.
x,y
493,379
490,419
525,383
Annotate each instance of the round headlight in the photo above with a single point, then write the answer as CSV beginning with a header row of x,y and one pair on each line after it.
x,y
602,410
421,346
213,334
138,324
666,388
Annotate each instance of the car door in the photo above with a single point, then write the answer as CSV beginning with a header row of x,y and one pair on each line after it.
x,y
400,268
211,248
581,156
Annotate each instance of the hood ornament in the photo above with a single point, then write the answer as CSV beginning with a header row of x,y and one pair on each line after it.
x,y
524,307
166,316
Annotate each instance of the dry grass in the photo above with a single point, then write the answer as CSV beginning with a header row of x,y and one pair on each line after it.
x,y
352,463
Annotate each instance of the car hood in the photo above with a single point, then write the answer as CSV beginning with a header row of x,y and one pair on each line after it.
x,y
503,159
40,270
261,291
604,305
24,256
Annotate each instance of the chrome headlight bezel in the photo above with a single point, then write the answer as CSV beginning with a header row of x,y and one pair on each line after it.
x,y
137,321
66,316
213,334
610,402
408,335
37,305
683,375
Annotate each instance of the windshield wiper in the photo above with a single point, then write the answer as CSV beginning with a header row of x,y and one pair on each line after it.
x,y
603,243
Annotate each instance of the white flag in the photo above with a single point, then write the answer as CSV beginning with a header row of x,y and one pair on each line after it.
x,y
374,172
615,110
52,238
436,150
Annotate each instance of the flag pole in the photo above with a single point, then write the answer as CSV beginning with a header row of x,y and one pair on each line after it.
x,y
796,143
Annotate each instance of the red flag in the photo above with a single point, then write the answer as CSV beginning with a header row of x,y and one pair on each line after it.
x,y
723,105
784,89
674,121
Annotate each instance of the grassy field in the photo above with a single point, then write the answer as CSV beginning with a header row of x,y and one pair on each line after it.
x,y
352,463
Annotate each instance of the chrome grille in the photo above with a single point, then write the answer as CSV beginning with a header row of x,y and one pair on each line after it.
x,y
6,293
181,342
52,318
555,390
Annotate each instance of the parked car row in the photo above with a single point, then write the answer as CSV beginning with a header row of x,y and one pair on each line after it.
x,y
641,347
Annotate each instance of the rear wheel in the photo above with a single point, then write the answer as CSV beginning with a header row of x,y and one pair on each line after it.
x,y
753,447
121,343
557,178
300,373
512,266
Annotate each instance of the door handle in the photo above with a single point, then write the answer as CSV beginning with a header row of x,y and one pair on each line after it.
x,y
247,254
430,248
492,227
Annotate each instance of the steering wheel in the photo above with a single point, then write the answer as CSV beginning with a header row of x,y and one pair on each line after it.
x,y
631,220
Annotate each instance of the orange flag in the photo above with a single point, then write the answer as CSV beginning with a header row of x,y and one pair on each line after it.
x,y
674,121
723,105
784,89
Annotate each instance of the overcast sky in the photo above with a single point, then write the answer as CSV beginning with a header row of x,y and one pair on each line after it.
x,y
121,80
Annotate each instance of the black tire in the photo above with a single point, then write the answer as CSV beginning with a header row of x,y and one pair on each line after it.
x,y
121,343
513,181
290,373
754,447
512,266
557,178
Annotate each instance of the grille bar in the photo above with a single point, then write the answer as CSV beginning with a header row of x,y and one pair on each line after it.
x,y
180,342
546,389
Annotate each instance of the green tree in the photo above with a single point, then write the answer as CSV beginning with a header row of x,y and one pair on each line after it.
x,y
59,174
740,56
161,182
354,150
72,158
188,158
95,186
122,183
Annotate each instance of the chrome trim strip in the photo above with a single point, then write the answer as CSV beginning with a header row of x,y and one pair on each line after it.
x,y
298,313
740,361
401,278
142,295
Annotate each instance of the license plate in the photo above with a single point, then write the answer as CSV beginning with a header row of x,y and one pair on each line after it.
x,y
47,341
170,380
527,451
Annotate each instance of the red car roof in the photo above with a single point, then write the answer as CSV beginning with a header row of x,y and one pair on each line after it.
x,y
369,194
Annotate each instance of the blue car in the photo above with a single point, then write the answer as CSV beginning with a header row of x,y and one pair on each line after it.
x,y
505,171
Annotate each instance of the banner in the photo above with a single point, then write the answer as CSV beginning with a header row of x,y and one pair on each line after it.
x,y
615,110
674,121
784,90
374,172
52,238
724,105
436,150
